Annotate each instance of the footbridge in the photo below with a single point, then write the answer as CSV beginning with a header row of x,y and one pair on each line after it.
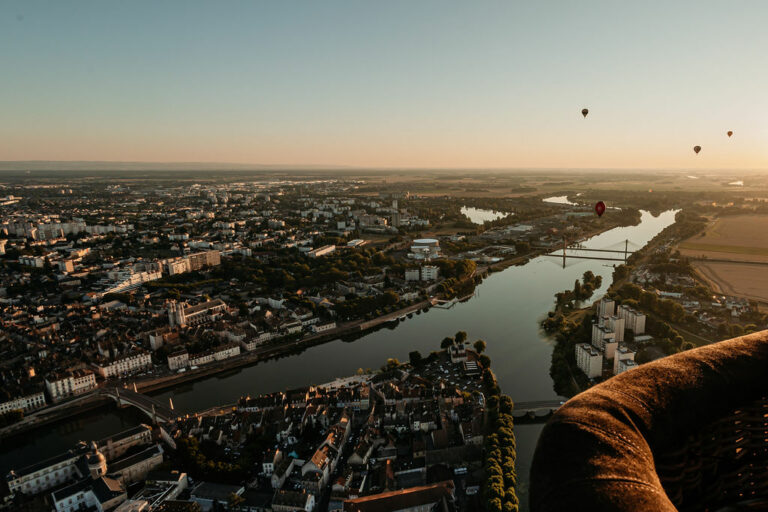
x,y
154,409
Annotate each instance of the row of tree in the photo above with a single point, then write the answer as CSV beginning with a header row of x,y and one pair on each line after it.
x,y
500,455
361,306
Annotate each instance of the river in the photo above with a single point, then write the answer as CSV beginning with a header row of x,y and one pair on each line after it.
x,y
505,312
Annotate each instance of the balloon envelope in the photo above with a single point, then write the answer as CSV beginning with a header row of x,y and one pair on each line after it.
x,y
697,149
600,208
730,133
584,112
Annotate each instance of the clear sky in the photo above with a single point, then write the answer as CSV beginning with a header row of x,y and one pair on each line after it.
x,y
411,83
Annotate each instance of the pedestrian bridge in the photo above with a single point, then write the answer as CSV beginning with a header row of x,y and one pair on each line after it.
x,y
154,409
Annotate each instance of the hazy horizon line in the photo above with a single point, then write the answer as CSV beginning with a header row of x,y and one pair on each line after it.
x,y
87,165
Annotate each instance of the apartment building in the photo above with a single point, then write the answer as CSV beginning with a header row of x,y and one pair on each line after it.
x,y
178,360
589,360
25,403
126,364
76,382
623,354
606,307
634,320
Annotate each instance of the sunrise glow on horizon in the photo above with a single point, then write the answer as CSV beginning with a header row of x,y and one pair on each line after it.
x,y
387,84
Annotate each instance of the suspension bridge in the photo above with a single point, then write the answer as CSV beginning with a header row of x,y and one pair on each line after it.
x,y
619,252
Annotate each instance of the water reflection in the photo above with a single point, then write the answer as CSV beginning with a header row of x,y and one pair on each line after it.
x,y
505,313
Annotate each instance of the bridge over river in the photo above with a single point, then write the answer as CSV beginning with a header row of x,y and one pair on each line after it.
x,y
154,409
536,412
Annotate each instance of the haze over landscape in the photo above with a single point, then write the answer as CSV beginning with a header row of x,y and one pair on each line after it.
x,y
387,84
383,256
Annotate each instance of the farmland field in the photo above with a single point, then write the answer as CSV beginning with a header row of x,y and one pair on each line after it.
x,y
736,238
739,279
729,243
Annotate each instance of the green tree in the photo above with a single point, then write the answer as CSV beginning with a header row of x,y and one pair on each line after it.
x,y
415,357
447,342
460,337
480,346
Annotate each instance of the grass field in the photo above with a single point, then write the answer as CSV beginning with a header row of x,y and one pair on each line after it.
x,y
736,238
739,279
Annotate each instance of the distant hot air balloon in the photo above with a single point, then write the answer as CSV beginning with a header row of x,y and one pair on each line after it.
x,y
696,149
730,133
600,208
584,112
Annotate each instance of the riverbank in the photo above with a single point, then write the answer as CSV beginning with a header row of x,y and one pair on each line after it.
x,y
55,413
505,312
353,329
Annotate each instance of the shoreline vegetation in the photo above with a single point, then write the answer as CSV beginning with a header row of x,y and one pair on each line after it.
x,y
464,277
570,325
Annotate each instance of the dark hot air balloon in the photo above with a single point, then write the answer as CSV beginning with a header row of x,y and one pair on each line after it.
x,y
600,208
696,149
730,133
584,112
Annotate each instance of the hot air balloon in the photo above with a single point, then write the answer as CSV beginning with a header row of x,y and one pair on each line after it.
x,y
730,133
584,112
600,208
696,149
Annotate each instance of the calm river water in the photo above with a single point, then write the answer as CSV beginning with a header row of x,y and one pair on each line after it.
x,y
505,313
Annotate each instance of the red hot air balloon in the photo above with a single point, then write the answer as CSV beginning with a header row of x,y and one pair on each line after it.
x,y
600,208
696,149
584,112
730,133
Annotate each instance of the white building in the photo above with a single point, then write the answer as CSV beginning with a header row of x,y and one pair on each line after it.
x,y
32,261
126,364
178,360
634,320
424,273
622,354
47,474
606,307
625,365
317,328
25,403
321,251
589,360
69,384
616,324
215,354
429,273
607,327
191,262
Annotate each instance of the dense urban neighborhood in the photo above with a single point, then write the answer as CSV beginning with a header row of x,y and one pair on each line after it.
x,y
112,291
